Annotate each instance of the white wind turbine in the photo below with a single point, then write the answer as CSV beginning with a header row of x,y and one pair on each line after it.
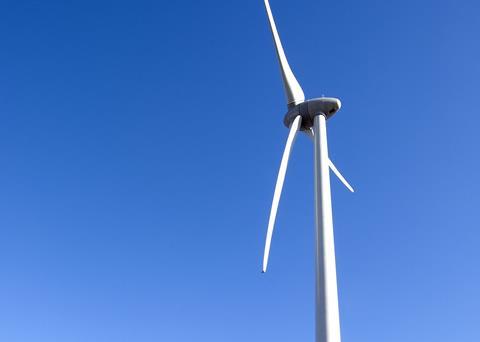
x,y
310,116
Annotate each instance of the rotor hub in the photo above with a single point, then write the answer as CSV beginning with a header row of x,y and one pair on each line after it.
x,y
309,109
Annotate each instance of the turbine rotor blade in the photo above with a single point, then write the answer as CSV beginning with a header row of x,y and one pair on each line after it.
x,y
293,90
278,187
339,175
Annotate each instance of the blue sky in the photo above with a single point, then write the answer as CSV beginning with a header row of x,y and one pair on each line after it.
x,y
139,145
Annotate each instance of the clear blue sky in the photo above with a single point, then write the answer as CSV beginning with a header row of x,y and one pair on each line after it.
x,y
139,146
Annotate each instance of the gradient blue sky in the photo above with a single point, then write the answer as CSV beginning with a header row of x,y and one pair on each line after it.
x,y
139,146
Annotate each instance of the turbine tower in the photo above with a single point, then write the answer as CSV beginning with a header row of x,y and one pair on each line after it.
x,y
310,116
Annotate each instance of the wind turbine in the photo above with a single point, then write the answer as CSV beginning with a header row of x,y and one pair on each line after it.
x,y
310,116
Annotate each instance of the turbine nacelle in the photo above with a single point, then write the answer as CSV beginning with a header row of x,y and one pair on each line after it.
x,y
326,106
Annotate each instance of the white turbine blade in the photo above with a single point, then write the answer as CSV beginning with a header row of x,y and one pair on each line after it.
x,y
293,90
278,187
339,175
